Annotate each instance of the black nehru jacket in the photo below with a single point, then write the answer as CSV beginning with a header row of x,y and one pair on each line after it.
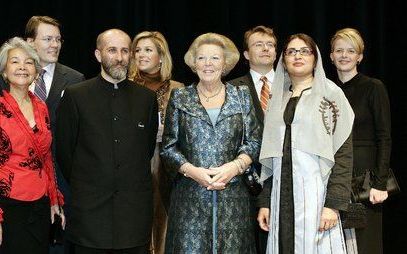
x,y
105,140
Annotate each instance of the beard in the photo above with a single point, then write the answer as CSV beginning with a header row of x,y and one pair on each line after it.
x,y
115,69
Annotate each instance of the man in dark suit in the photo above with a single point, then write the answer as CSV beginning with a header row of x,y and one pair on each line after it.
x,y
259,47
44,34
106,133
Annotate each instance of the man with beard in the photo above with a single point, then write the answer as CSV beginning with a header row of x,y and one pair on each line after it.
x,y
259,47
106,130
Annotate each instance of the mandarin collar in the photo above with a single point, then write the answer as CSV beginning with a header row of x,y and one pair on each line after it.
x,y
111,86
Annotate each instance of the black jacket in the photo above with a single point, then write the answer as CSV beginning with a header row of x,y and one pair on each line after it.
x,y
105,140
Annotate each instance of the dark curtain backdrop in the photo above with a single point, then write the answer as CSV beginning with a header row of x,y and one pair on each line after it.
x,y
382,24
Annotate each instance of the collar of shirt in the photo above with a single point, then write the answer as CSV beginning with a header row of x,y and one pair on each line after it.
x,y
48,76
258,83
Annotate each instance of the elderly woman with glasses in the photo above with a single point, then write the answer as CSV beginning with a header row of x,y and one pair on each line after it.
x,y
307,152
29,198
211,136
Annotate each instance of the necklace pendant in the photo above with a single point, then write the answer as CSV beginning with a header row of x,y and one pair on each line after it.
x,y
207,99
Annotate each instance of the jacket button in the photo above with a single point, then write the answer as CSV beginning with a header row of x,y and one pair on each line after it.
x,y
117,140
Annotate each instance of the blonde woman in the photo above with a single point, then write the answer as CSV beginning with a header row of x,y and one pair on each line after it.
x,y
151,66
371,131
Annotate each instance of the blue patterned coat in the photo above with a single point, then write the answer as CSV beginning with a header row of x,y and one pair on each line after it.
x,y
197,215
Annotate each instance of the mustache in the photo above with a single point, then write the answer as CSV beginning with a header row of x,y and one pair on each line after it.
x,y
120,63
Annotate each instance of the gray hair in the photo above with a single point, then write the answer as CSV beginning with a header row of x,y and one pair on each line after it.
x,y
14,43
231,53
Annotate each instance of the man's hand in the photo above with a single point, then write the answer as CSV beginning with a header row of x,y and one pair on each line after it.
x,y
263,218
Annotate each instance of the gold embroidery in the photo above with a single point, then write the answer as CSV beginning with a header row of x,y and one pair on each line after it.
x,y
323,107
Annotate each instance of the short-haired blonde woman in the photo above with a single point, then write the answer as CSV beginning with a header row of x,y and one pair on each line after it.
x,y
29,196
211,136
151,66
371,131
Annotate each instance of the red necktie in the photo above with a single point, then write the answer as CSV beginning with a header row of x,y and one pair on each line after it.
x,y
265,93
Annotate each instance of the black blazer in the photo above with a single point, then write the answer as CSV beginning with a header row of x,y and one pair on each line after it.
x,y
105,140
248,81
63,77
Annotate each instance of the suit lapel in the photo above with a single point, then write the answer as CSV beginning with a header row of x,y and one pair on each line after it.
x,y
58,84
256,102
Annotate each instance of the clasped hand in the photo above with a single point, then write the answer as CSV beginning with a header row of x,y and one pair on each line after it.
x,y
214,178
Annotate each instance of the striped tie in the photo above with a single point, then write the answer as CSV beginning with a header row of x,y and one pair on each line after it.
x,y
265,93
40,89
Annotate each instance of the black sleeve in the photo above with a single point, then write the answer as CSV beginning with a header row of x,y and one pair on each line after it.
x,y
263,199
380,108
66,133
339,183
154,124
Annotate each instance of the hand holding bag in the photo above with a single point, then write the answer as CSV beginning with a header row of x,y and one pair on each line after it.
x,y
356,216
56,233
361,186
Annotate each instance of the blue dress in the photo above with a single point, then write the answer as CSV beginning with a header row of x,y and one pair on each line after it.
x,y
202,221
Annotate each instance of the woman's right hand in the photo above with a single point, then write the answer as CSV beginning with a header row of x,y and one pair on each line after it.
x,y
263,218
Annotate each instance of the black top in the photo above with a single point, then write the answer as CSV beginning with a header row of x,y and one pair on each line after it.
x,y
372,127
286,220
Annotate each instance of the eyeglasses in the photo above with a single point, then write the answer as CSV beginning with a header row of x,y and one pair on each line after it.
x,y
50,39
304,51
261,45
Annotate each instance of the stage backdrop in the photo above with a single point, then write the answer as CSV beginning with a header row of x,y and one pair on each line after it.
x,y
382,23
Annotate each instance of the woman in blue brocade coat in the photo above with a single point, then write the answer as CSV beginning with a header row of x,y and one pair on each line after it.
x,y
211,136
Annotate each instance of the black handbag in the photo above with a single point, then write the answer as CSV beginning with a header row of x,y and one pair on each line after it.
x,y
361,186
355,216
56,233
251,179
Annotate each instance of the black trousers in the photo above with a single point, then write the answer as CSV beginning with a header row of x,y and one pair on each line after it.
x,y
136,250
26,226
370,238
